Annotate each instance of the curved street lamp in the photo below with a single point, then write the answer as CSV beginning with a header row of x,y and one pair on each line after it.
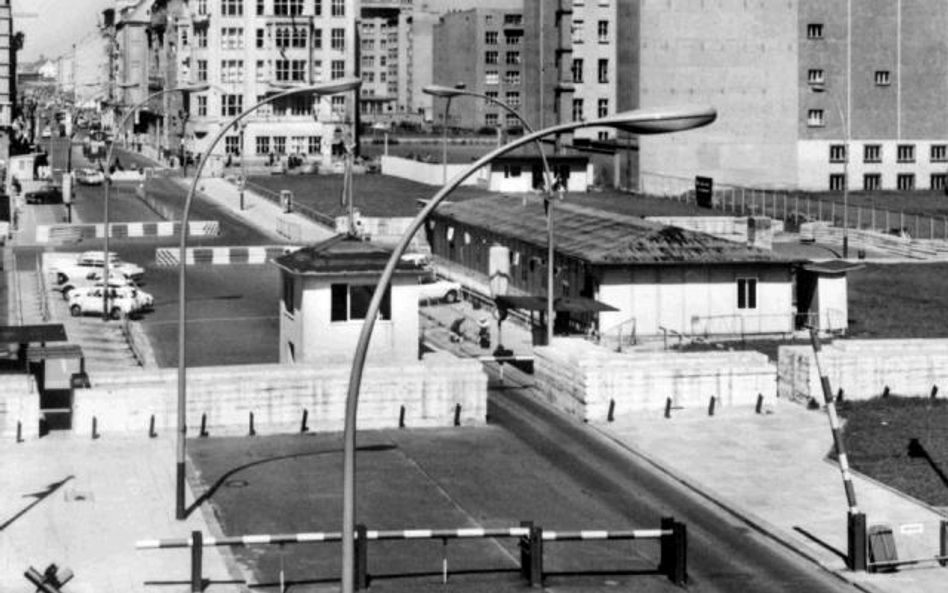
x,y
448,92
108,180
330,88
641,121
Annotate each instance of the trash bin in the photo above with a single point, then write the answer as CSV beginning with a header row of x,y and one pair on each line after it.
x,y
882,548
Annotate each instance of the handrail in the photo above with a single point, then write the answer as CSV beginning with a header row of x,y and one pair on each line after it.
x,y
618,327
665,331
130,340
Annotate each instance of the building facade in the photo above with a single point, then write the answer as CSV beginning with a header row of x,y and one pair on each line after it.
x,y
483,50
385,58
7,79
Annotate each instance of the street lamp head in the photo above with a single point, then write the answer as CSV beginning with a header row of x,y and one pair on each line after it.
x,y
658,120
445,92
194,88
332,87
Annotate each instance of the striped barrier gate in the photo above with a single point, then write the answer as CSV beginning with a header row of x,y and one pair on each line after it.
x,y
672,537
169,256
123,230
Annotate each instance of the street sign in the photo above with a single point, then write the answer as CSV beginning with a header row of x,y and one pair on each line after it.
x,y
704,190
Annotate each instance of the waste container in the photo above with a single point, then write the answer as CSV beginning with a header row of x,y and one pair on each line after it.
x,y
882,548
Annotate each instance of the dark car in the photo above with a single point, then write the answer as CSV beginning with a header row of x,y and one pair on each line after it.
x,y
49,194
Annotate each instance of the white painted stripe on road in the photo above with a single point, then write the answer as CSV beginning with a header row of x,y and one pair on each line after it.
x,y
416,533
256,539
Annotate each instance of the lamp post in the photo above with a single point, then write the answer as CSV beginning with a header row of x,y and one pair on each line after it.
x,y
448,92
108,181
440,92
643,121
845,123
331,88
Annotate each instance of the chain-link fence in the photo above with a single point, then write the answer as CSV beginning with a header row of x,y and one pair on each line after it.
x,y
798,207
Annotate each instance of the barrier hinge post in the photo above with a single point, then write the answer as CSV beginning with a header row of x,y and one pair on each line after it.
x,y
943,542
536,557
361,558
197,548
858,543
525,550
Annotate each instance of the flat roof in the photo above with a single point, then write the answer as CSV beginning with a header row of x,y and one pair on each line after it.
x,y
25,334
600,237
341,255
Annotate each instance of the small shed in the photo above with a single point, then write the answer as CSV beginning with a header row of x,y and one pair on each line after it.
x,y
822,291
524,173
327,288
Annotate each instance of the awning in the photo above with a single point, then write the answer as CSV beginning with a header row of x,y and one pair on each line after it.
x,y
24,334
563,304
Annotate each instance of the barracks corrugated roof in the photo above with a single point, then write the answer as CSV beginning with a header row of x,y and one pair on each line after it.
x,y
340,255
597,236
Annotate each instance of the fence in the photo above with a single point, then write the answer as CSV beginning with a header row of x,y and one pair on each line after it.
x,y
672,536
798,207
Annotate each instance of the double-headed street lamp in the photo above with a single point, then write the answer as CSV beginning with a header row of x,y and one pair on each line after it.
x,y
108,180
449,92
642,121
334,87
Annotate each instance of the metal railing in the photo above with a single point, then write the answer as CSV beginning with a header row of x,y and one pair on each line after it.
x,y
41,289
617,335
796,207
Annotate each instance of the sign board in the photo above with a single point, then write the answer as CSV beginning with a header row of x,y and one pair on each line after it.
x,y
67,188
704,190
499,270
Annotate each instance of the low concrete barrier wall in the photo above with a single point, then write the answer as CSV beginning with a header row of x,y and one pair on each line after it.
x,y
123,230
387,231
583,379
864,368
257,254
19,402
902,246
430,391
430,173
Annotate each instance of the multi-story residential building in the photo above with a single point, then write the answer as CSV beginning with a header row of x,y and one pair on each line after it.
x,y
245,50
882,69
385,58
7,79
484,51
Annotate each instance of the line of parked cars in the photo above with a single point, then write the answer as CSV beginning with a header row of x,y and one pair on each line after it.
x,y
83,287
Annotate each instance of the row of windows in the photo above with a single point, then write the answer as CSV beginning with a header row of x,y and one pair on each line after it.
x,y
818,76
277,145
903,181
509,19
602,108
279,7
510,77
493,57
602,70
232,71
284,37
602,31
510,38
905,153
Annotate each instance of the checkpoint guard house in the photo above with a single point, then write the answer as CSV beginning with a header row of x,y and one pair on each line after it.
x,y
326,292
636,275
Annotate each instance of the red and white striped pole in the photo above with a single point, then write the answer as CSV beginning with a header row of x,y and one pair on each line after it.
x,y
857,555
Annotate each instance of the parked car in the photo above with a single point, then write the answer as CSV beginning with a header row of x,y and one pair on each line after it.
x,y
94,277
90,177
122,302
430,287
47,132
46,194
94,260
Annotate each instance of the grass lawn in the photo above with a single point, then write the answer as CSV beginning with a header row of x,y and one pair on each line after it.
x,y
877,434
899,301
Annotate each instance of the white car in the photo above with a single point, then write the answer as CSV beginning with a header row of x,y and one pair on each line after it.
x,y
432,288
90,177
121,302
93,261
94,278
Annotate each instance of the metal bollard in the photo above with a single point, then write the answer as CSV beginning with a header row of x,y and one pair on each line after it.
x,y
401,417
197,549
885,392
95,428
934,393
303,426
839,395
253,431
668,407
151,427
858,549
203,433
674,551
612,411
524,544
759,408
711,405
943,542
19,431
361,567
535,568
457,414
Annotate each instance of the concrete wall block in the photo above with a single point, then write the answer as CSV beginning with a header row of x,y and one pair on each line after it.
x,y
19,402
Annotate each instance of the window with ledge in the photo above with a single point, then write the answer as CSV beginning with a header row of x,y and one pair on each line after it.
x,y
577,110
338,7
837,182
513,98
905,153
576,30
231,105
232,7
814,118
512,77
602,108
871,181
939,153
351,302
883,78
279,144
201,106
491,77
815,76
814,31
314,144
232,145
490,38
511,121
201,70
287,7
337,69
512,57
263,145
232,71
338,39
938,180
603,71
872,153
577,70
837,153
905,181
491,57
747,293
232,38
602,30
491,119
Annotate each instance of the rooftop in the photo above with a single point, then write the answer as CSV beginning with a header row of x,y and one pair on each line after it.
x,y
600,237
341,255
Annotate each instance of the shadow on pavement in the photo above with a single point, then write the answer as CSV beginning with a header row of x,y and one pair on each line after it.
x,y
40,497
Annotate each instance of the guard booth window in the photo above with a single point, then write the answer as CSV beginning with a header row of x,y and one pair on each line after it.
x,y
747,293
351,301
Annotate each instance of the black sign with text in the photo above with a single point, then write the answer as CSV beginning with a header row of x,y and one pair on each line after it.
x,y
704,189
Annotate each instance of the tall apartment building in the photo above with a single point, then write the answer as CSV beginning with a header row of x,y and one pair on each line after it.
x,y
483,50
7,78
386,58
882,67
246,50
